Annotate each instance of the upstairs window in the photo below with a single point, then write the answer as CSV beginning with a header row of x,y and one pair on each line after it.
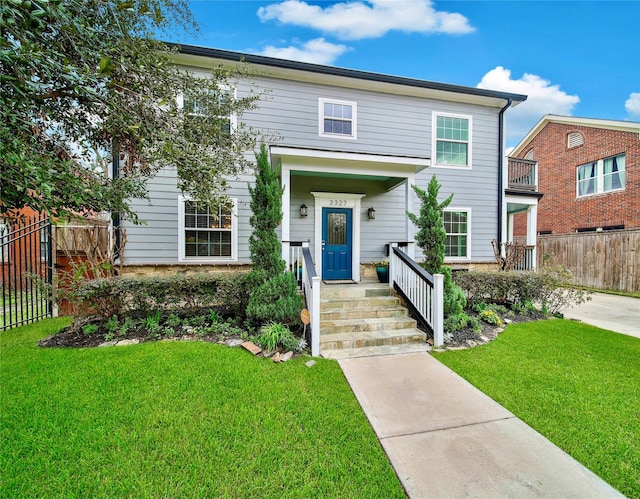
x,y
452,140
338,119
206,233
202,110
456,225
601,176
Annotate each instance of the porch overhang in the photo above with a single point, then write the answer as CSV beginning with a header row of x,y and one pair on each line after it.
x,y
392,170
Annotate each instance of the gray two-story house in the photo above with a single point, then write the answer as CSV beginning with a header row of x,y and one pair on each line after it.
x,y
350,144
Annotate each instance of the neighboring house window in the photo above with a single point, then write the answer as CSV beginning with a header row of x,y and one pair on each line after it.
x,y
601,176
456,225
574,139
198,111
452,140
207,234
338,119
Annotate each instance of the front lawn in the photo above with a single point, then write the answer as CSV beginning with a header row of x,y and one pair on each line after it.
x,y
179,419
576,384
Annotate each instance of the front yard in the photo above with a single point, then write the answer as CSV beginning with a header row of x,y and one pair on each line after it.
x,y
179,419
576,384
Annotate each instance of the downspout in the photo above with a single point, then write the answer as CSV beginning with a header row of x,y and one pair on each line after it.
x,y
115,217
501,167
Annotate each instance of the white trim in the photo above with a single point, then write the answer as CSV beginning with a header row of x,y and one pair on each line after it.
x,y
326,200
316,160
466,209
181,231
354,119
434,140
599,178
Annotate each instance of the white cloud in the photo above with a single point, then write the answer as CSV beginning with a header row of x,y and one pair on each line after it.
x,y
632,105
317,51
358,19
543,98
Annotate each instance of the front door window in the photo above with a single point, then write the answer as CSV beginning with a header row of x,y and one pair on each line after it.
x,y
336,251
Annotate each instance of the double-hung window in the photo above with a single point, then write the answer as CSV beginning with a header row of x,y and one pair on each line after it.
x,y
457,226
201,111
601,176
452,140
338,118
207,233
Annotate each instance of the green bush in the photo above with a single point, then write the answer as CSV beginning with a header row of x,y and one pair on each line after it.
x,y
276,334
122,295
550,287
277,299
490,317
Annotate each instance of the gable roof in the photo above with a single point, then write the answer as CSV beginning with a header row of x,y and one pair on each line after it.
x,y
618,125
303,71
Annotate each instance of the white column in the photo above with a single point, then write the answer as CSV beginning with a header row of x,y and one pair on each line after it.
x,y
285,177
438,310
532,230
510,219
410,231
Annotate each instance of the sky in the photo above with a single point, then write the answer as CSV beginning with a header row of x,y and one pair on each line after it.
x,y
574,58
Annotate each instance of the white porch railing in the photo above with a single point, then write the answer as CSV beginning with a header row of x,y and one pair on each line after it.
x,y
528,260
310,284
422,292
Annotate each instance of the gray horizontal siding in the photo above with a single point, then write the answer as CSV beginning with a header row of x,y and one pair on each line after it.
x,y
388,124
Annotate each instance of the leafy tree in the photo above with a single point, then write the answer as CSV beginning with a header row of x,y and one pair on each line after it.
x,y
81,80
431,234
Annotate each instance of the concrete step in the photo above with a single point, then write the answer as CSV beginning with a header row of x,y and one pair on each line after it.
x,y
354,290
362,339
358,302
362,312
349,353
374,324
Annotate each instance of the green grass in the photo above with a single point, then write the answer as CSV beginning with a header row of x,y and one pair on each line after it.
x,y
576,384
179,419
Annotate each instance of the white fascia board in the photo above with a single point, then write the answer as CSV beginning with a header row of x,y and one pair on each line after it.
x,y
316,160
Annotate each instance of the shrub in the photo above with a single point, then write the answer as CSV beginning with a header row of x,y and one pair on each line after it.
x,y
121,295
490,317
277,299
550,287
277,334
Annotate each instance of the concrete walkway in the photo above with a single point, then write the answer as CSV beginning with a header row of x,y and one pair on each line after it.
x,y
615,313
447,439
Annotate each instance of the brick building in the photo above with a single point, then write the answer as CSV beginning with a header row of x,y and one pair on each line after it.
x,y
589,172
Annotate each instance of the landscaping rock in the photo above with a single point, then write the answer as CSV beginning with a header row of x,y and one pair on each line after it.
x,y
310,363
287,356
251,347
233,342
108,343
123,343
277,357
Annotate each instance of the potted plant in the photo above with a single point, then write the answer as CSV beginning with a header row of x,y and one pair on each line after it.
x,y
382,269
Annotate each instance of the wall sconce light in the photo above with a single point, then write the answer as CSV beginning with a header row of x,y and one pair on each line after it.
x,y
371,212
303,210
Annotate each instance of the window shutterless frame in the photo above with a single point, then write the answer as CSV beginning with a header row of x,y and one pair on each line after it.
x,y
337,119
451,140
205,236
457,224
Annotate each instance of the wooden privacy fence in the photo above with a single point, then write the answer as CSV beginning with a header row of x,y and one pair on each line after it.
x,y
604,260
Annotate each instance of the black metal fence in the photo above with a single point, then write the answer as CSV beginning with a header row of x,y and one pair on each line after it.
x,y
27,267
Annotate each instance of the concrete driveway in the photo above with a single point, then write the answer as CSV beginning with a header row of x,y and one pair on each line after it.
x,y
615,313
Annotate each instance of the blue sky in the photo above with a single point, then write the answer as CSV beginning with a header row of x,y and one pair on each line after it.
x,y
578,58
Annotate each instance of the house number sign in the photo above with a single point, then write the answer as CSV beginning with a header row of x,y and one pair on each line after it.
x,y
338,202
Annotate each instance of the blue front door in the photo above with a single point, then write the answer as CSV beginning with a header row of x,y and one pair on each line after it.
x,y
336,243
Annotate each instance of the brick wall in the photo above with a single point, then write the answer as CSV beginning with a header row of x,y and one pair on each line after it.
x,y
560,211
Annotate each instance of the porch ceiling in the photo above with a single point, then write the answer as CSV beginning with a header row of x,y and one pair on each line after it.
x,y
390,182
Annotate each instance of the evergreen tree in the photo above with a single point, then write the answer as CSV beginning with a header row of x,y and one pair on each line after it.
x,y
431,234
266,205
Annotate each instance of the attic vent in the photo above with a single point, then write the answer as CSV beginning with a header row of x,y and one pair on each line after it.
x,y
529,155
574,139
